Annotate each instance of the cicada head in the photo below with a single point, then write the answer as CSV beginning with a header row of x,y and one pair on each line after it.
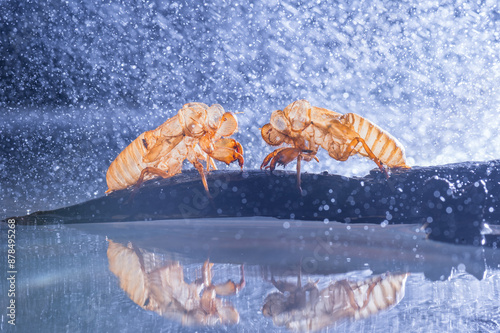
x,y
280,123
299,115
193,118
271,136
228,125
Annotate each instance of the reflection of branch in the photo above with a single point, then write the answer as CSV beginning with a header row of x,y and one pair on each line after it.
x,y
309,309
160,287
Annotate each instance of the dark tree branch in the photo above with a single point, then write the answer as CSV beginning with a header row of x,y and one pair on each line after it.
x,y
453,202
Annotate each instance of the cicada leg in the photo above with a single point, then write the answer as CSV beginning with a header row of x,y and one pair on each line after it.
x,y
197,164
230,288
227,150
350,294
299,158
268,158
283,156
147,170
345,155
153,171
369,293
210,164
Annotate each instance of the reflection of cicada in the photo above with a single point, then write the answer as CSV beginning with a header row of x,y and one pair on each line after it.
x,y
307,128
159,286
308,309
197,133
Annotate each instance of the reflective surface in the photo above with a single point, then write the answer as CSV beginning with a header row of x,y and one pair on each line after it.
x,y
66,282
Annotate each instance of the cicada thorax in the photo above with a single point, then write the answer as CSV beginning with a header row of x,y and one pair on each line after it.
x,y
298,115
193,119
326,131
383,145
172,161
169,128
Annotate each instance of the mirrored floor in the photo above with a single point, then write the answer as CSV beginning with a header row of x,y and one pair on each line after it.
x,y
249,275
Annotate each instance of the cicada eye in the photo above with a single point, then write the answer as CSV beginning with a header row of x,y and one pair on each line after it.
x,y
228,125
214,116
271,135
279,122
299,114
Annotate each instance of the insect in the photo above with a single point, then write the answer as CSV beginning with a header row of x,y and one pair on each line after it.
x,y
308,309
197,133
158,285
306,128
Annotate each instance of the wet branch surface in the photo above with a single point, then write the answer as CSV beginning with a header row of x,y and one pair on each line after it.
x,y
453,202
